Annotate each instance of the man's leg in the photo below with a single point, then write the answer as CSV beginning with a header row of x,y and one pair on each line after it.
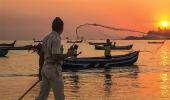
x,y
58,88
56,82
44,88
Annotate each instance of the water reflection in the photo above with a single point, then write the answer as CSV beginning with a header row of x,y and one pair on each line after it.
x,y
114,77
107,81
164,55
74,81
164,86
100,83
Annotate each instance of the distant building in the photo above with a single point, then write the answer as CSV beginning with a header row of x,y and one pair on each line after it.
x,y
152,35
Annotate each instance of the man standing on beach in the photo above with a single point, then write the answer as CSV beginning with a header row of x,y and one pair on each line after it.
x,y
51,58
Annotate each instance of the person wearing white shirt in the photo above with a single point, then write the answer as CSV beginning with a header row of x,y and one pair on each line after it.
x,y
51,58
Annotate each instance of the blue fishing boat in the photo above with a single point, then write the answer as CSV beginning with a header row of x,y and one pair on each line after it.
x,y
92,62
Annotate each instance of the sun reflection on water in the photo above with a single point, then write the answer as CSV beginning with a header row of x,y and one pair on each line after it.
x,y
164,56
164,86
164,60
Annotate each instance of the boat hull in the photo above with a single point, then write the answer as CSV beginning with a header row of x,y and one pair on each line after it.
x,y
128,47
4,50
27,47
95,43
99,62
74,41
155,42
3,53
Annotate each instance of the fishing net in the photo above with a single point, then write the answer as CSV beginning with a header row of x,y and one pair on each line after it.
x,y
100,32
103,32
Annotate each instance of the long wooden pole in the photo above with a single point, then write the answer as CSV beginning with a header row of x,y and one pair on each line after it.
x,y
21,97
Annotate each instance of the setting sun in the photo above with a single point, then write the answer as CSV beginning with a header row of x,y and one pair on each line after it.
x,y
164,23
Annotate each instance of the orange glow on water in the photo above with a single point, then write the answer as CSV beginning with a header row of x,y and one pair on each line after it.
x,y
164,85
164,56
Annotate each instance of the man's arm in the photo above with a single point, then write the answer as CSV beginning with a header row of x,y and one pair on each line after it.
x,y
77,54
60,57
41,62
56,53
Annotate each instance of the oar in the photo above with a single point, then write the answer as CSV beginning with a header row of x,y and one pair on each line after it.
x,y
145,51
21,97
130,50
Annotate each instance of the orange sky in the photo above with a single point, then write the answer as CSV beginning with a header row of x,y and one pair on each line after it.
x,y
25,19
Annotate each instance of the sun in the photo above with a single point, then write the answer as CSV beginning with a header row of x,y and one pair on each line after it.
x,y
164,23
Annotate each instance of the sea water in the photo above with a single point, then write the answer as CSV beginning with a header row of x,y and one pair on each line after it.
x,y
147,79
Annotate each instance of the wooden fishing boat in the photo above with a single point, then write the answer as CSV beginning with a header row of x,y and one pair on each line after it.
x,y
38,41
3,53
156,42
35,40
78,41
27,47
101,47
8,44
95,62
97,43
4,50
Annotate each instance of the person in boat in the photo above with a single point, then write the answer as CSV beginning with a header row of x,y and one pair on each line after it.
x,y
107,49
51,59
75,54
114,44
